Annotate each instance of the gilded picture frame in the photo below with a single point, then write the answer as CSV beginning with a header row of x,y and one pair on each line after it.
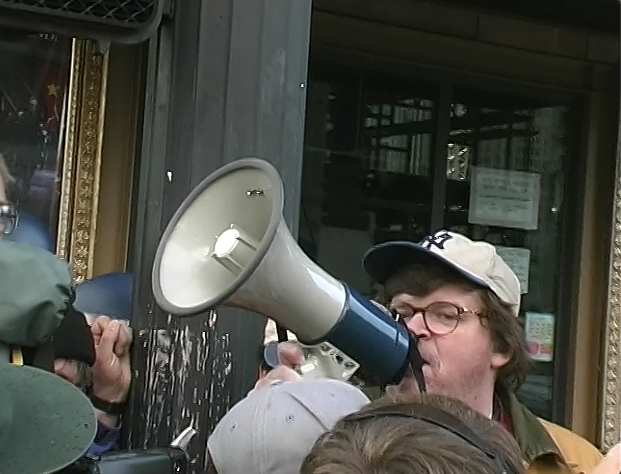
x,y
82,148
611,373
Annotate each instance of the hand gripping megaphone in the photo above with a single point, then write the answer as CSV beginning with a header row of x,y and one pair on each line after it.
x,y
228,244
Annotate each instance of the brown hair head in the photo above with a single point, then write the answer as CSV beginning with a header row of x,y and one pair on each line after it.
x,y
385,444
506,332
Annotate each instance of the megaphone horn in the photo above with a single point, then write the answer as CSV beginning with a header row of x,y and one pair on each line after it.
x,y
228,244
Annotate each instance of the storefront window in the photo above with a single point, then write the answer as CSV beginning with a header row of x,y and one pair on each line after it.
x,y
389,158
33,81
366,169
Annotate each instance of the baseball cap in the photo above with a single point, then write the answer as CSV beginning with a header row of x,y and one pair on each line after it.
x,y
46,423
273,429
477,261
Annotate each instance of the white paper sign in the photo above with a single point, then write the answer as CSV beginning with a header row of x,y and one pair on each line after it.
x,y
504,198
518,260
539,333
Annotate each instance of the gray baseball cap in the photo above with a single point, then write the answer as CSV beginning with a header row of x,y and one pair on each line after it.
x,y
272,430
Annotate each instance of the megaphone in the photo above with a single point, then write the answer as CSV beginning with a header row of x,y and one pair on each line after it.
x,y
228,244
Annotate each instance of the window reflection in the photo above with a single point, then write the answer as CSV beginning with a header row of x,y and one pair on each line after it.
x,y
33,81
366,168
400,120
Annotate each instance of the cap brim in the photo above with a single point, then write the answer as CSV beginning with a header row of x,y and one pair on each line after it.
x,y
52,422
384,260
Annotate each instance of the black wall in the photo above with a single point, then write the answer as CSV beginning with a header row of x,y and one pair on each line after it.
x,y
226,79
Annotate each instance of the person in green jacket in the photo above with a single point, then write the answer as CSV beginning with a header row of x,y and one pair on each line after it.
x,y
46,423
462,301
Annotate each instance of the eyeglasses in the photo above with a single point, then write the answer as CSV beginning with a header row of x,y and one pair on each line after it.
x,y
440,318
9,218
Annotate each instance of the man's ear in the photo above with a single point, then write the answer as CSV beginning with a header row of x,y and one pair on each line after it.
x,y
499,360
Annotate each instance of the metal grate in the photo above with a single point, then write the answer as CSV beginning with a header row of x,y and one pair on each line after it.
x,y
119,12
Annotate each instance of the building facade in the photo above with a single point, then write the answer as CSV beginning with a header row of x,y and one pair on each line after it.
x,y
385,123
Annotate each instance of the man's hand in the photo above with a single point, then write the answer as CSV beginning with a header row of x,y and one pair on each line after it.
x,y
291,357
290,354
112,369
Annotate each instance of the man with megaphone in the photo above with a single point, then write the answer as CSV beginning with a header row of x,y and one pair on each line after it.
x,y
452,327
461,301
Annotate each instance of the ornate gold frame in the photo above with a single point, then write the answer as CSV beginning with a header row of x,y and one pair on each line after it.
x,y
82,145
611,402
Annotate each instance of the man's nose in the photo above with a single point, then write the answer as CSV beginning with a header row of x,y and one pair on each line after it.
x,y
416,325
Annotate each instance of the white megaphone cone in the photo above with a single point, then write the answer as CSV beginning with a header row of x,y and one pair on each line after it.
x,y
228,244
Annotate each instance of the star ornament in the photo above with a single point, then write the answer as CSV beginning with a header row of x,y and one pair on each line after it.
x,y
53,89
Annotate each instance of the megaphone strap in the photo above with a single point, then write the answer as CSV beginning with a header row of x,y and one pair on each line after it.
x,y
416,363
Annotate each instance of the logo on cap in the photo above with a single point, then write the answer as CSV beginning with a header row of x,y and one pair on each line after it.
x,y
437,240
